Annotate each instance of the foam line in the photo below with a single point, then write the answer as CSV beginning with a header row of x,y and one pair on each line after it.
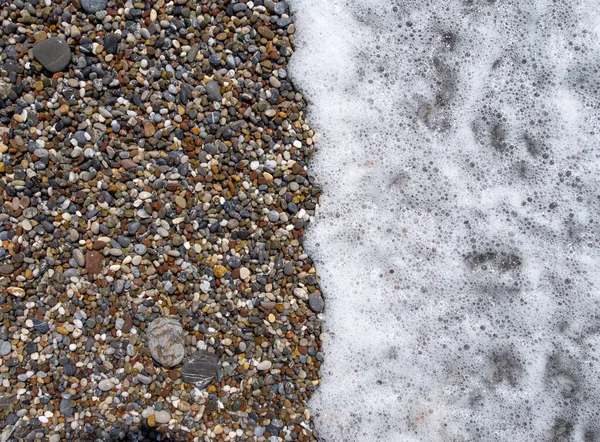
x,y
457,242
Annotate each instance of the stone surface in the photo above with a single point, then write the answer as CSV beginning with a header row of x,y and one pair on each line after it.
x,y
54,54
200,368
93,6
93,263
105,385
165,340
162,417
213,91
316,303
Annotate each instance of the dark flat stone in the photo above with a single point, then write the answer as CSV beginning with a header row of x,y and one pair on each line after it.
x,y
111,43
54,54
200,368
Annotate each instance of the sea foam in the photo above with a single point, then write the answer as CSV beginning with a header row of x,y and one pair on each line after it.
x,y
458,237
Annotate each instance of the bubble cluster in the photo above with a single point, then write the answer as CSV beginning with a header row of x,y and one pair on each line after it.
x,y
458,238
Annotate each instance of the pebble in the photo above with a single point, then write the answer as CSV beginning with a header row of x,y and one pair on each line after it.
x,y
162,417
213,91
200,368
5,348
105,385
316,303
264,365
53,53
165,340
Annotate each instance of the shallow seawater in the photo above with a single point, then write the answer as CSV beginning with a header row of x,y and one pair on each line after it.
x,y
458,238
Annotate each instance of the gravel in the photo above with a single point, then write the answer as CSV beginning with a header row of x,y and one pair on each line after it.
x,y
153,167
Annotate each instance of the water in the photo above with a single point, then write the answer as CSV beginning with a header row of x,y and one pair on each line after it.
x,y
457,243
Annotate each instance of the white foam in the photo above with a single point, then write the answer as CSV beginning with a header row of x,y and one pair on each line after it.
x,y
460,149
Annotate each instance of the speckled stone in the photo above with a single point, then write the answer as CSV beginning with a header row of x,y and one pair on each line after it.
x,y
166,341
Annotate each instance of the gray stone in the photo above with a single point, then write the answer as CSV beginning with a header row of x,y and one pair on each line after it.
x,y
264,365
200,368
79,257
5,348
111,43
12,66
146,380
40,326
316,303
54,54
66,408
213,91
280,8
93,6
166,341
162,417
105,385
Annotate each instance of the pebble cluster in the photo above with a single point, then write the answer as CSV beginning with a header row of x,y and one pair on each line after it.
x,y
153,169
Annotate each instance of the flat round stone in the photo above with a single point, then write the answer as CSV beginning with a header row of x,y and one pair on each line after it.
x,y
54,54
200,368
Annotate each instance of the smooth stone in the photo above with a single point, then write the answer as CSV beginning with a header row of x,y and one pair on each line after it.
x,y
65,408
54,54
316,303
11,66
264,365
79,257
213,91
40,326
5,348
93,262
244,273
93,6
166,341
105,385
200,368
111,43
162,417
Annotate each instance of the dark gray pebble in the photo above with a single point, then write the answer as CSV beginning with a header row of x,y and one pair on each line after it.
x,y
54,54
200,368
316,303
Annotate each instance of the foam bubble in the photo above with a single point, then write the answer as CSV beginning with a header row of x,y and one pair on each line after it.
x,y
457,241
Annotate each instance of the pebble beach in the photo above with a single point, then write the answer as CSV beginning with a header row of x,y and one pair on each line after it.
x,y
154,196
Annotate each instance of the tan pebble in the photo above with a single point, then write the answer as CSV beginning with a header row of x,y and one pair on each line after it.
x,y
218,429
220,271
16,291
244,273
40,36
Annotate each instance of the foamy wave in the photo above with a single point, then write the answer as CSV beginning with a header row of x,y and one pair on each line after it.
x,y
458,239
